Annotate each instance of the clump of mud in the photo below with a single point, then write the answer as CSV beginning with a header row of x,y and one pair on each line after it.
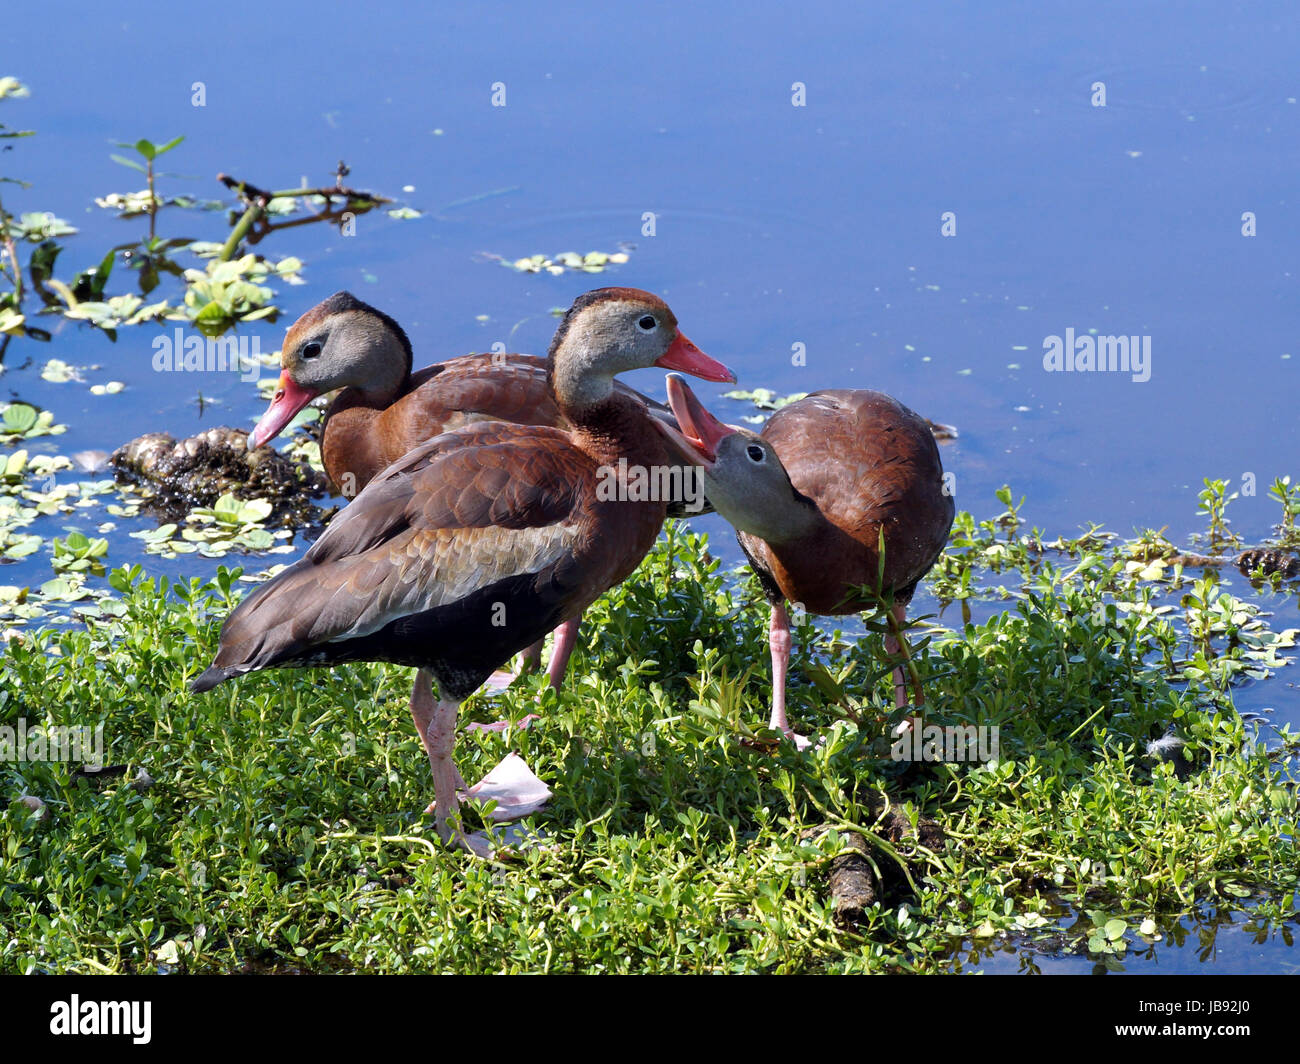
x,y
1269,561
180,475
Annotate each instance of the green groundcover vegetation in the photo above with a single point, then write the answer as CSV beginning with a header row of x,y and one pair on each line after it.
x,y
277,823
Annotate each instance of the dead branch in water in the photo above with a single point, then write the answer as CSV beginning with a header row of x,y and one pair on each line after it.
x,y
254,225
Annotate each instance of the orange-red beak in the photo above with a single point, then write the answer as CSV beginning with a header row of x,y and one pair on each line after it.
x,y
685,356
698,432
287,401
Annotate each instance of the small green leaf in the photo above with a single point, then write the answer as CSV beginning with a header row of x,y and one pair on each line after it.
x,y
19,417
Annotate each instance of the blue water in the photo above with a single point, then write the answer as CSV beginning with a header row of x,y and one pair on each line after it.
x,y
775,225
1225,941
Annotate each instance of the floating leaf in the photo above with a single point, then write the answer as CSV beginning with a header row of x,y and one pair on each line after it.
x,y
764,398
19,418
11,321
129,204
38,226
592,262
57,371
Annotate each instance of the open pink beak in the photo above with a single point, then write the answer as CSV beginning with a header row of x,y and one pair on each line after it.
x,y
699,432
287,401
684,356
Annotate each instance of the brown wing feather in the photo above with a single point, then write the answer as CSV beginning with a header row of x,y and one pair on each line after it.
x,y
473,388
463,511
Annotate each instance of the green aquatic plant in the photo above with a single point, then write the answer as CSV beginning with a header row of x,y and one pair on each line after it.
x,y
1107,935
223,293
19,421
38,226
151,255
1288,495
280,824
764,399
230,524
217,297
149,153
79,553
564,262
1010,518
1214,501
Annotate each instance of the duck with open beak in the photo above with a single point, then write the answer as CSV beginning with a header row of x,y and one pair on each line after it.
x,y
697,434
831,478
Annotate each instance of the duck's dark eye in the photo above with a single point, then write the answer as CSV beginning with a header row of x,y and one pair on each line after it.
x,y
648,323
755,452
310,349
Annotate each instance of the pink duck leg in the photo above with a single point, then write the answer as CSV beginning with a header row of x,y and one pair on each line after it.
x,y
512,785
896,646
778,639
779,642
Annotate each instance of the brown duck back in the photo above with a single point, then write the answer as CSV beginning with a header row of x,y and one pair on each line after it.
x,y
359,440
869,465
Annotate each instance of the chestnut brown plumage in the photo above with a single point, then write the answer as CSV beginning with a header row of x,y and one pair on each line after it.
x,y
831,478
384,410
477,542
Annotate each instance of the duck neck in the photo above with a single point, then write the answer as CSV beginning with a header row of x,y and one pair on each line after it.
x,y
579,387
790,525
616,427
350,441
380,392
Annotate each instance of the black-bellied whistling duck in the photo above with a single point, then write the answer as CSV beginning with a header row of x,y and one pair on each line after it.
x,y
478,542
811,499
384,409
